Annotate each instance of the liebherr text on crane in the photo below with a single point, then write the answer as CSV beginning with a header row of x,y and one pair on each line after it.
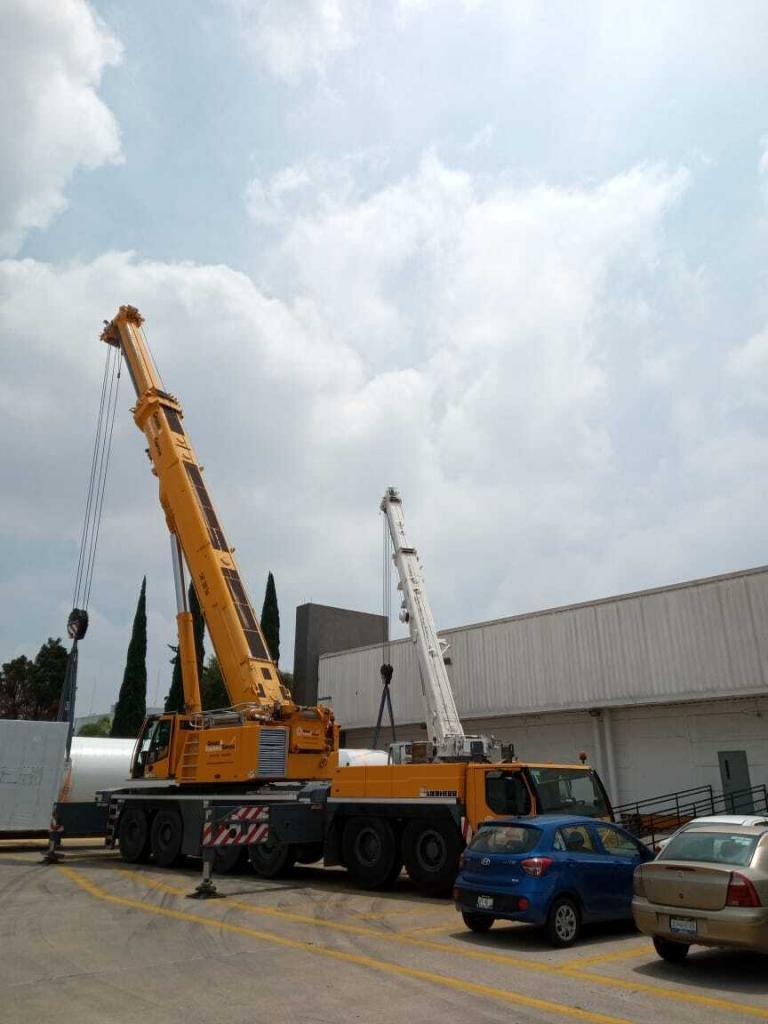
x,y
273,769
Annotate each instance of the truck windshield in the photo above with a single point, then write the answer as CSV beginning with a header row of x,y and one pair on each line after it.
x,y
569,790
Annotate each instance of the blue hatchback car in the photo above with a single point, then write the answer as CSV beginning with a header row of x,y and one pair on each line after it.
x,y
558,871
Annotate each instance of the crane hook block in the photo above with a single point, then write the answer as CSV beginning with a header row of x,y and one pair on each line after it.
x,y
77,624
386,674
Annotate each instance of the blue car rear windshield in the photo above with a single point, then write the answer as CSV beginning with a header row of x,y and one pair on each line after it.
x,y
733,848
505,839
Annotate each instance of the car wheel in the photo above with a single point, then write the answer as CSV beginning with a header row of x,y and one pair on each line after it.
x,y
672,952
478,922
563,922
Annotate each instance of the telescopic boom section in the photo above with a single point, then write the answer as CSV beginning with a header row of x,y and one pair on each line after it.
x,y
443,720
249,673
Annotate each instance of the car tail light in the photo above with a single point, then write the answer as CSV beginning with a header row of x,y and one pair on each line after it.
x,y
741,892
523,903
537,866
638,886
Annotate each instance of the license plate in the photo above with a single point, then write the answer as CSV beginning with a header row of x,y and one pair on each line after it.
x,y
485,902
682,926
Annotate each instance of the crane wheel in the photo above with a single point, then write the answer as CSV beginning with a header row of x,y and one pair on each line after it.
x,y
271,858
431,850
133,835
228,859
165,838
370,852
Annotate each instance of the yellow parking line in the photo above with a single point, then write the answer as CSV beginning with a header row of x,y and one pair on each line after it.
x,y
624,954
354,929
385,966
571,969
667,993
426,931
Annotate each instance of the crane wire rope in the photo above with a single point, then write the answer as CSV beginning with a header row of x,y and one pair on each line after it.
x,y
97,482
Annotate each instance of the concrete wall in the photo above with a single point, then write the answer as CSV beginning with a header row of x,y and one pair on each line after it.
x,y
656,749
321,629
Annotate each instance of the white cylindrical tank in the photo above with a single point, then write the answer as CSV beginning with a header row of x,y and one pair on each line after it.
x,y
350,756
97,763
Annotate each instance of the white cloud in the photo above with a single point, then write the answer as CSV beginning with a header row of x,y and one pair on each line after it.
x,y
295,38
51,118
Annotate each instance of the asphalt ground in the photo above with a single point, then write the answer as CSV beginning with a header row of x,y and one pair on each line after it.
x,y
93,940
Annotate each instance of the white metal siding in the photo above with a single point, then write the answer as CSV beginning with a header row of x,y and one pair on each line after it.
x,y
31,769
659,748
705,639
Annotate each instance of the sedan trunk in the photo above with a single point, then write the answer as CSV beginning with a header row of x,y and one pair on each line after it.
x,y
696,886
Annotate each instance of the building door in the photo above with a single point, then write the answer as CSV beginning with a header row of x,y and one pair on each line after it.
x,y
734,774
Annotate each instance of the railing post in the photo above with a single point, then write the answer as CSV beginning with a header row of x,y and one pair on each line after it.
x,y
712,799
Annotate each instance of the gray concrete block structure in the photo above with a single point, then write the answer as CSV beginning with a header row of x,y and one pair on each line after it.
x,y
322,629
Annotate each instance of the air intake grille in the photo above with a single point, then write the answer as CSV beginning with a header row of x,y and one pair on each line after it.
x,y
273,752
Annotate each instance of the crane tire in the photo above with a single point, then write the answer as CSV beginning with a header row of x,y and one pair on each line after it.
x,y
165,838
370,852
309,853
133,835
228,859
271,859
431,850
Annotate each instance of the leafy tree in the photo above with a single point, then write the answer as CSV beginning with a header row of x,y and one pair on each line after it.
x,y
31,689
174,702
287,680
131,707
47,679
16,688
101,727
213,692
270,619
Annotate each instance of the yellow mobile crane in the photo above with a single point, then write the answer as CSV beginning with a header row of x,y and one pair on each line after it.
x,y
267,774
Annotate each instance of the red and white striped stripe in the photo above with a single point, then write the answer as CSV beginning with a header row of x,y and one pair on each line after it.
x,y
244,825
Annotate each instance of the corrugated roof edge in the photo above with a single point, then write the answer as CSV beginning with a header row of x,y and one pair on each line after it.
x,y
570,607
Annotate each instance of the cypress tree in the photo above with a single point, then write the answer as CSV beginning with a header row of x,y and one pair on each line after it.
x,y
131,707
270,619
213,693
174,702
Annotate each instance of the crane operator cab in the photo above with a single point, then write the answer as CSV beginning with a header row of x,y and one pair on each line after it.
x,y
153,747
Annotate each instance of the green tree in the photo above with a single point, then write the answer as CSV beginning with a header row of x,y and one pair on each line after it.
x,y
131,707
174,702
213,692
16,688
287,680
47,679
101,727
270,619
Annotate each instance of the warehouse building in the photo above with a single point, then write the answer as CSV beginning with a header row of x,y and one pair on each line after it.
x,y
662,689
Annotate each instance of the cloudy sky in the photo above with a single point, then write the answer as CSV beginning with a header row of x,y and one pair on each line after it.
x,y
509,257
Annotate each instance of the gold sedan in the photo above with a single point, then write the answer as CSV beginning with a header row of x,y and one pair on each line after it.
x,y
708,887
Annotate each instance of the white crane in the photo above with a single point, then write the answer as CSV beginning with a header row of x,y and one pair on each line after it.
x,y
447,738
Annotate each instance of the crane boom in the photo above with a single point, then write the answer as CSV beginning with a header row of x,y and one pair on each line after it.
x,y
250,675
443,722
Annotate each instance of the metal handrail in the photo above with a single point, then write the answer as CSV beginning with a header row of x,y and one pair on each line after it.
x,y
664,798
661,821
